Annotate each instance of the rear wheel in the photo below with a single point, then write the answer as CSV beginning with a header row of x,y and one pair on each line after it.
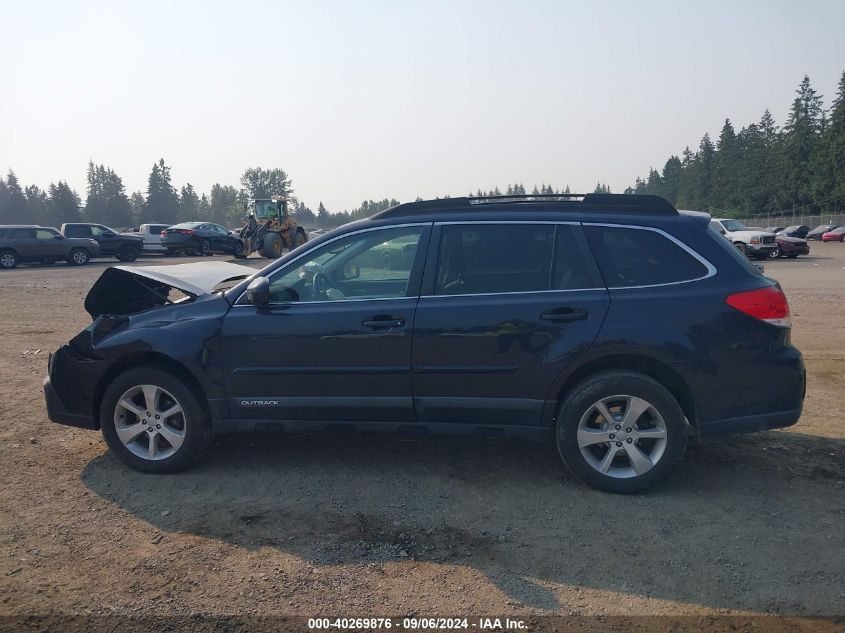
x,y
205,247
8,259
78,257
153,421
128,254
300,239
621,431
239,250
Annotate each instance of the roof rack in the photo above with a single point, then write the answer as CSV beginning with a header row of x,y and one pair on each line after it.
x,y
590,202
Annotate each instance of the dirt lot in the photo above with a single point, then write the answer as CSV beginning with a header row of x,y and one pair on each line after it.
x,y
374,525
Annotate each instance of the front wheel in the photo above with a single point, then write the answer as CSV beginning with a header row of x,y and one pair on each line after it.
x,y
742,248
775,254
152,421
128,254
78,257
621,431
239,250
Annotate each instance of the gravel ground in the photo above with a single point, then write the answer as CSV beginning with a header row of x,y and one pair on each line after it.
x,y
270,525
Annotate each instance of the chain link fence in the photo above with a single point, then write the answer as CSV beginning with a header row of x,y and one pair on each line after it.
x,y
812,221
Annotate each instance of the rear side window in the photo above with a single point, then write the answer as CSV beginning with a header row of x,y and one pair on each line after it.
x,y
492,258
78,231
629,257
23,234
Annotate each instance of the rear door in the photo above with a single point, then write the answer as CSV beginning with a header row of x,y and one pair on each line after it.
x,y
505,307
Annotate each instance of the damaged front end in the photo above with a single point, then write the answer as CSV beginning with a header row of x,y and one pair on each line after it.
x,y
135,310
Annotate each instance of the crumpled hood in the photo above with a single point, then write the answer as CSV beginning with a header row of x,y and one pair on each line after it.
x,y
123,290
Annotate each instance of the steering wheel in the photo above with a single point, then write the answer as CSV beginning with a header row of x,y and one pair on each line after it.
x,y
322,284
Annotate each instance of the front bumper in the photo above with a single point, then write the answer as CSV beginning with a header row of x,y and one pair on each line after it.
x,y
58,413
761,249
69,388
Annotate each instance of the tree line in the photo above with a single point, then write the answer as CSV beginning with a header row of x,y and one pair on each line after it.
x,y
762,169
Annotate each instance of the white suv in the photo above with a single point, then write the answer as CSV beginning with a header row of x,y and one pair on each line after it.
x,y
753,242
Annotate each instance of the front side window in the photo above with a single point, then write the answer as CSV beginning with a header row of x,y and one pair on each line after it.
x,y
367,265
630,257
733,225
99,231
494,258
45,234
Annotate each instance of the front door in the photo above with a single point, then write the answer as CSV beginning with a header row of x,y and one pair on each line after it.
x,y
335,342
505,307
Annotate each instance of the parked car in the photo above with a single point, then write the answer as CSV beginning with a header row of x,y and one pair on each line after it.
x,y
798,230
790,247
773,229
33,243
201,238
834,235
612,323
816,233
755,243
151,234
125,248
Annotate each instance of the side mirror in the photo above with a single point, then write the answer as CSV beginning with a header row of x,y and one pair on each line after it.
x,y
351,271
258,291
58,237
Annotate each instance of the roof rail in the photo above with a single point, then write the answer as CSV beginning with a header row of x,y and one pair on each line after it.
x,y
589,202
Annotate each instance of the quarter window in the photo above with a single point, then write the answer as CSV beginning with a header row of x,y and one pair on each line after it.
x,y
637,257
494,258
367,265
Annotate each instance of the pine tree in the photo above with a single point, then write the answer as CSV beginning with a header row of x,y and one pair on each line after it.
x,y
266,183
162,202
726,161
15,210
802,134
63,204
36,205
323,219
189,204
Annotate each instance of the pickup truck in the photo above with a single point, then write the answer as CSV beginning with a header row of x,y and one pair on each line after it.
x,y
31,243
151,234
112,244
754,243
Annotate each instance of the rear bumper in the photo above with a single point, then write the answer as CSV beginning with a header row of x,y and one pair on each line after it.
x,y
749,423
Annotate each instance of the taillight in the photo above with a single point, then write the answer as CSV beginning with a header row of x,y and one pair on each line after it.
x,y
163,233
188,232
766,304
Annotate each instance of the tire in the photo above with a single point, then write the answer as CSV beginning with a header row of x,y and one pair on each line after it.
x,y
610,465
178,439
742,248
78,257
205,248
271,247
239,250
775,254
8,260
128,254
300,238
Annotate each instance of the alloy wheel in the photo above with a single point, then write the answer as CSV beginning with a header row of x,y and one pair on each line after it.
x,y
7,260
79,257
622,436
149,422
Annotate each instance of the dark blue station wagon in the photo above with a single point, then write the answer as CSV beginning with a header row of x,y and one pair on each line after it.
x,y
613,325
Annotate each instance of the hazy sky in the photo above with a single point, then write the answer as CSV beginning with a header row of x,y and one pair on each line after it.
x,y
397,99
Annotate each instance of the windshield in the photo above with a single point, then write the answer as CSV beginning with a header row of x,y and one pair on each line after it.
x,y
734,225
266,209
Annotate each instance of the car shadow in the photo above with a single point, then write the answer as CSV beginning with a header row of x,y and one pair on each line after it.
x,y
741,524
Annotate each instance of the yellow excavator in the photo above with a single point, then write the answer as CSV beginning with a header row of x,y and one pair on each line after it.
x,y
270,228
